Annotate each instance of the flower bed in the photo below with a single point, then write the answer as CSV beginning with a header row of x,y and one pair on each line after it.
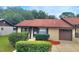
x,y
54,42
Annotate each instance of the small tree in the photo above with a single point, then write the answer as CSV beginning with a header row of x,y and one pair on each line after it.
x,y
67,14
51,17
77,15
42,15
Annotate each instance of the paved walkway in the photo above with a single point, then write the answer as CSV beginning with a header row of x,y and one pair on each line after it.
x,y
66,46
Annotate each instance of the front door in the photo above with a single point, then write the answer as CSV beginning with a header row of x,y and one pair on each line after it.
x,y
65,34
29,30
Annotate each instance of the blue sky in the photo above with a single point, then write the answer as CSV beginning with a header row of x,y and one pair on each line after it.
x,y
54,10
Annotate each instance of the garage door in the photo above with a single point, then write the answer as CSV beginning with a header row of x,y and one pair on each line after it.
x,y
65,34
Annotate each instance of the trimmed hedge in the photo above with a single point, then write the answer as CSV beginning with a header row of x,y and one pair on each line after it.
x,y
14,37
33,46
42,36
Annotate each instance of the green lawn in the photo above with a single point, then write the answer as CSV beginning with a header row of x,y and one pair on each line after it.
x,y
5,45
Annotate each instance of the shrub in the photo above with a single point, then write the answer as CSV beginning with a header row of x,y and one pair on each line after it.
x,y
42,36
33,46
14,37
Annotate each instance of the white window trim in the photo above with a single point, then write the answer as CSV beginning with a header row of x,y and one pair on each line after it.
x,y
42,29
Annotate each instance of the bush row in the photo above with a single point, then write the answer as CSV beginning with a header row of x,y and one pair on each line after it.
x,y
33,46
14,37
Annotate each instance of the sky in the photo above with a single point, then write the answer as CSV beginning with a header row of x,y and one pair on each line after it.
x,y
54,10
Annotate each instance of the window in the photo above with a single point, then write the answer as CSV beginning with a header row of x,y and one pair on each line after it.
x,y
42,31
2,29
14,28
77,33
4,22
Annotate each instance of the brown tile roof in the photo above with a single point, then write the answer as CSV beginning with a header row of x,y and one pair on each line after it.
x,y
73,20
44,23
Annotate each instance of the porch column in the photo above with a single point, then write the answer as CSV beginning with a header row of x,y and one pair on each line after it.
x,y
19,30
32,33
28,32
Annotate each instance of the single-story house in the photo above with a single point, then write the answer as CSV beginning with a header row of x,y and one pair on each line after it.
x,y
6,27
58,29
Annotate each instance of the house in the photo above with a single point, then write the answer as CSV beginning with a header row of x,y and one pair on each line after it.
x,y
74,22
58,29
6,27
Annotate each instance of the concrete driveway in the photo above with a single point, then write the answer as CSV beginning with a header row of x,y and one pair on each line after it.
x,y
66,46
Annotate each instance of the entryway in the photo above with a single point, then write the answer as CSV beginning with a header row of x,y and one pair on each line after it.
x,y
65,34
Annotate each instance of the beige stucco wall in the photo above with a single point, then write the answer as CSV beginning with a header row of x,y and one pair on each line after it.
x,y
54,33
74,39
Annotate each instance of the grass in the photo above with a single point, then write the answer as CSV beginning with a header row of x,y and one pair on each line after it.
x,y
5,45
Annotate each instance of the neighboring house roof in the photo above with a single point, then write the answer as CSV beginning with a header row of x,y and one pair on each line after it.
x,y
44,23
72,20
5,23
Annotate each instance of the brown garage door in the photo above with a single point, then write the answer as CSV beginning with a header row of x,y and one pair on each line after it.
x,y
65,34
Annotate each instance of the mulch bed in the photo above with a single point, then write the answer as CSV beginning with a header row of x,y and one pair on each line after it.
x,y
54,42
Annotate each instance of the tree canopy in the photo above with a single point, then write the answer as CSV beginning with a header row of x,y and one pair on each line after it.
x,y
77,15
52,17
67,14
17,14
